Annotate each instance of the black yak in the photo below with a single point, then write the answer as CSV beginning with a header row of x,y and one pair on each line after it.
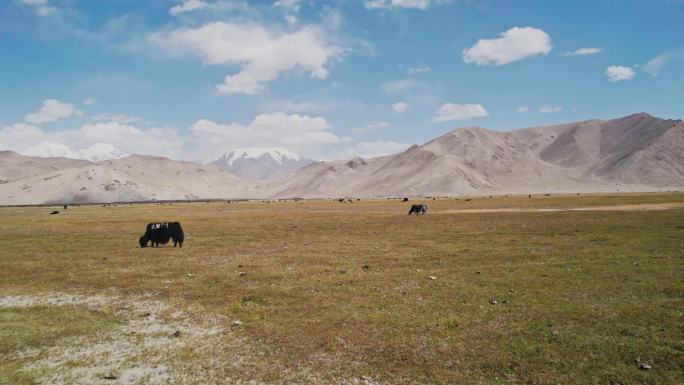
x,y
160,233
418,209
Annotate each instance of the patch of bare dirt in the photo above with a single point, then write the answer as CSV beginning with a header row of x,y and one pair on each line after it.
x,y
146,348
157,343
632,207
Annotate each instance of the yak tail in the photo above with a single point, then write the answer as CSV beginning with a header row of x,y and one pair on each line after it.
x,y
180,237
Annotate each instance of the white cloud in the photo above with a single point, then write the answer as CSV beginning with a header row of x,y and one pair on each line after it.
x,y
19,136
404,86
389,4
96,152
133,140
45,10
25,138
515,44
549,109
88,101
417,70
522,109
306,106
261,53
120,118
42,7
452,111
413,92
373,126
300,133
291,19
655,65
51,111
619,73
50,149
583,52
332,19
399,107
188,6
292,106
293,5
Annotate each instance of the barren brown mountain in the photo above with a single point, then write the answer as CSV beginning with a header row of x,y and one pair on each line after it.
x,y
134,178
14,166
635,153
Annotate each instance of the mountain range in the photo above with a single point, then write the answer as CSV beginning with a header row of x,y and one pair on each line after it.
x,y
635,153
261,163
96,152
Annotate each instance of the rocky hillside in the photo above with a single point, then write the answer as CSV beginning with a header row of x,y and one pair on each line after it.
x,y
635,153
638,152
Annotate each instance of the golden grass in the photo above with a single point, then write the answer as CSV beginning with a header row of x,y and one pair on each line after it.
x,y
608,282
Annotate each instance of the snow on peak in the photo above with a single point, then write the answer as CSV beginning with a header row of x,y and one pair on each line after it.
x,y
97,152
101,151
278,154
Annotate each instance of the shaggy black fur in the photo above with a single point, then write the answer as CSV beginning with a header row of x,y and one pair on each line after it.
x,y
418,209
160,233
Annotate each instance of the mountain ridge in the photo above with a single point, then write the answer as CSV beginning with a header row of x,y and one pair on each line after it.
x,y
638,152
258,163
474,159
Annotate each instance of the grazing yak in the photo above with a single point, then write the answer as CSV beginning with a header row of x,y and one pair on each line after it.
x,y
418,209
160,233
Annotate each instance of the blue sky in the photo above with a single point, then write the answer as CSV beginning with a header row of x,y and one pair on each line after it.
x,y
192,79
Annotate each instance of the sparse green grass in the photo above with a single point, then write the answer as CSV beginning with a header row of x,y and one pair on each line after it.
x,y
40,327
609,282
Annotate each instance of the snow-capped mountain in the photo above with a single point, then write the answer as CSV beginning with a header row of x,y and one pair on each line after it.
x,y
261,163
97,152
101,151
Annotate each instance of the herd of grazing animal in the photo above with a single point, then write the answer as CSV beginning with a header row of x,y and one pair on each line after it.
x,y
160,233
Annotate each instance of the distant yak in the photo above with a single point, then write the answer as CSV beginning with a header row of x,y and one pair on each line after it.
x,y
418,209
161,233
